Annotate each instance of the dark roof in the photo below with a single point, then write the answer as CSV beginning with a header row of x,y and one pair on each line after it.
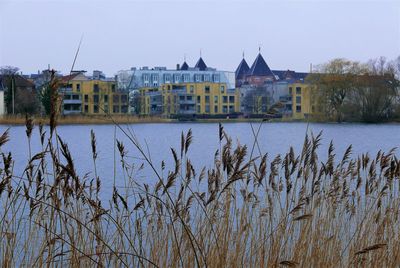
x,y
201,65
19,80
260,67
288,74
242,69
185,66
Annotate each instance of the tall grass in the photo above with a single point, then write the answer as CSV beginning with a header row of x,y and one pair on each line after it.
x,y
248,210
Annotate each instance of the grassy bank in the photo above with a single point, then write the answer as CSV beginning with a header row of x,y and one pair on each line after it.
x,y
247,210
86,120
120,119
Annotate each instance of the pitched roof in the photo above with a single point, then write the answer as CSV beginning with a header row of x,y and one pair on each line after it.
x,y
260,67
184,66
19,80
201,65
242,69
288,74
67,78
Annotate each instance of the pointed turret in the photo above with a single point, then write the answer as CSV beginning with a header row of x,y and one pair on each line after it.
x,y
185,66
201,65
260,67
242,70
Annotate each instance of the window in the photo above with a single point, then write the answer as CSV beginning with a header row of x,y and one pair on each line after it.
x,y
154,78
198,109
167,78
222,89
298,108
124,98
105,98
225,109
207,89
225,99
86,98
198,99
124,109
116,98
181,98
115,109
207,108
146,80
290,90
96,98
215,99
298,99
113,87
96,109
231,109
197,77
206,78
86,108
216,109
189,98
207,99
96,88
176,78
186,78
231,99
191,88
78,87
298,90
216,78
75,97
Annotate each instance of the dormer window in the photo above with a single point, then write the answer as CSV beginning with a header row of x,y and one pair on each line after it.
x,y
197,78
186,78
176,78
154,78
167,78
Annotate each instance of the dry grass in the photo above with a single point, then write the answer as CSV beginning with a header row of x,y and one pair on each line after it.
x,y
247,210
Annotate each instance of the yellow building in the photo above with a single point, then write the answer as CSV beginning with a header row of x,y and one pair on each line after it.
x,y
190,91
92,95
190,98
302,100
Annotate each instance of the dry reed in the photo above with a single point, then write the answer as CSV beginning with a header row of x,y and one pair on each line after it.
x,y
248,210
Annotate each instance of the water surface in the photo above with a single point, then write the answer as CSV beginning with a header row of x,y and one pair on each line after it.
x,y
157,139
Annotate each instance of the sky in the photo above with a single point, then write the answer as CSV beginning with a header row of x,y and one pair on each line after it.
x,y
121,34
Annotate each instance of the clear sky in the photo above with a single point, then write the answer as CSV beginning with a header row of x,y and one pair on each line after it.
x,y
120,34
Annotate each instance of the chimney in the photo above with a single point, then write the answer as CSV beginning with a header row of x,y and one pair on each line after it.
x,y
178,67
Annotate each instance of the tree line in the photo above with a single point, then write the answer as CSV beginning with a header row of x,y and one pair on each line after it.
x,y
356,92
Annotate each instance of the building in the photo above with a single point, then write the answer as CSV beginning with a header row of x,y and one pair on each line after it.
x,y
302,105
184,91
19,95
266,91
92,95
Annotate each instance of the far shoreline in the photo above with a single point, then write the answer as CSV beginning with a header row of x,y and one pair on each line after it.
x,y
132,119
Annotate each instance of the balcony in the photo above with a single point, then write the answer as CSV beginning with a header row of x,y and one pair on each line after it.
x,y
65,89
65,112
188,102
191,111
72,101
